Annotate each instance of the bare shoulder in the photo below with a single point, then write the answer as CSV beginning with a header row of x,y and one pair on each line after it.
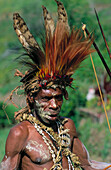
x,y
15,143
17,137
20,130
71,126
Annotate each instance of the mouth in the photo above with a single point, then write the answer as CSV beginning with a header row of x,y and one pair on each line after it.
x,y
55,115
52,117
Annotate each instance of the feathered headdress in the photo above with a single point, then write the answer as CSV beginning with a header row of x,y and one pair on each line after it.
x,y
65,49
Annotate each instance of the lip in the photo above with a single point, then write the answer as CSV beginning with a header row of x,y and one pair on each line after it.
x,y
52,117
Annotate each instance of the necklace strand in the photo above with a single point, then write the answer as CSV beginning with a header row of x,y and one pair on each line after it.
x,y
61,139
47,141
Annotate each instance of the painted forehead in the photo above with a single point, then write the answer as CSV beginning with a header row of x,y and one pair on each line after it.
x,y
50,92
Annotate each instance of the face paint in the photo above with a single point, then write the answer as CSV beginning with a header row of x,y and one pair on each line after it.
x,y
48,104
40,111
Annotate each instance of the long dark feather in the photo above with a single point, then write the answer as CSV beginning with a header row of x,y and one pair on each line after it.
x,y
102,33
27,40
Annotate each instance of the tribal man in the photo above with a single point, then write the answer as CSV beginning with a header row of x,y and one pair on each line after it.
x,y
43,140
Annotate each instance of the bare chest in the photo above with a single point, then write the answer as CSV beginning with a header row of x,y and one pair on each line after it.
x,y
37,150
38,156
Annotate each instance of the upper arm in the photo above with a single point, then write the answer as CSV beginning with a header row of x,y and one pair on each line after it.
x,y
80,150
14,145
77,146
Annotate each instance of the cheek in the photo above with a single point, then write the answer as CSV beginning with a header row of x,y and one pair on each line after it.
x,y
44,105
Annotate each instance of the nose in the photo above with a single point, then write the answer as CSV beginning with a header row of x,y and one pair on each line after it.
x,y
53,104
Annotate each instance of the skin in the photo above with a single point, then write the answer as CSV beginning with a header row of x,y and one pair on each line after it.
x,y
50,102
25,147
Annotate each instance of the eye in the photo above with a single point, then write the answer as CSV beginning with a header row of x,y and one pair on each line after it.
x,y
46,98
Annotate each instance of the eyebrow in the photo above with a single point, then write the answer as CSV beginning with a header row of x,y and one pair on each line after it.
x,y
50,95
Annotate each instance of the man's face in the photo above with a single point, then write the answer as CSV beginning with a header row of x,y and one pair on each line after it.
x,y
49,102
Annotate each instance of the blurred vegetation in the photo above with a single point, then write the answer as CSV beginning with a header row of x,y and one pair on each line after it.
x,y
78,12
3,136
7,115
96,138
69,107
10,48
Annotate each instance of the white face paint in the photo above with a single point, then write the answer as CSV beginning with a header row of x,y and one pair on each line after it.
x,y
48,104
37,147
5,164
40,111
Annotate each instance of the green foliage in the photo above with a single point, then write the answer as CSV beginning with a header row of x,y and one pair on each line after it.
x,y
96,138
92,103
96,103
3,136
31,11
69,107
108,105
78,11
6,115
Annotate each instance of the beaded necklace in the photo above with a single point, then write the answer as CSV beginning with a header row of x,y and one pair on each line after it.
x,y
59,143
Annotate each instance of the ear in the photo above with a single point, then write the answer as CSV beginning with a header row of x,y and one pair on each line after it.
x,y
66,94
